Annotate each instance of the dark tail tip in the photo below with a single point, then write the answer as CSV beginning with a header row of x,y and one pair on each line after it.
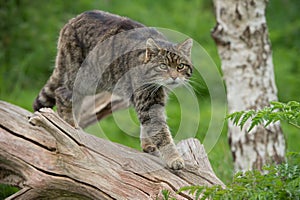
x,y
38,104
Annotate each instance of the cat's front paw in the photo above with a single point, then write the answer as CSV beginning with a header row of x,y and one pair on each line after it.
x,y
176,164
151,150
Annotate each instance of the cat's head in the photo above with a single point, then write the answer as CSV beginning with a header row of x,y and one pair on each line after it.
x,y
167,63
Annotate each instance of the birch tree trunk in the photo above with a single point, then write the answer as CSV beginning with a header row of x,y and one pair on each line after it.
x,y
241,35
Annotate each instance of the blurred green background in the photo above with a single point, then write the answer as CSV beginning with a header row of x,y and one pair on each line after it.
x,y
30,29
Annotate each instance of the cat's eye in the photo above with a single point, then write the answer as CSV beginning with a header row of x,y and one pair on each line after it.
x,y
180,67
163,67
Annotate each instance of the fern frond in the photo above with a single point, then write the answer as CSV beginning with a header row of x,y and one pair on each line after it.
x,y
277,111
247,115
294,183
235,117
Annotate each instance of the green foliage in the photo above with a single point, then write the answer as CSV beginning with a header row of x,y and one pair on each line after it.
x,y
166,195
202,192
277,111
6,191
284,26
276,182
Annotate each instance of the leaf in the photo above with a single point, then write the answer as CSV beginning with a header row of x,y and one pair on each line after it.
x,y
235,117
199,192
256,120
294,104
166,194
294,183
190,189
276,105
245,118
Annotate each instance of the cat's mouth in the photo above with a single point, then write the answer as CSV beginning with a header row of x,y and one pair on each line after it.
x,y
172,83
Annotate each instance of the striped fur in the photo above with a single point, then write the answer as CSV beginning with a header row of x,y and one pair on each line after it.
x,y
147,73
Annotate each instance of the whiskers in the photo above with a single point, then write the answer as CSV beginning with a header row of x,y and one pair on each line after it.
x,y
198,86
186,84
151,87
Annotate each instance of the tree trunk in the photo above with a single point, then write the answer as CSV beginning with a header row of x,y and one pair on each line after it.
x,y
241,35
48,159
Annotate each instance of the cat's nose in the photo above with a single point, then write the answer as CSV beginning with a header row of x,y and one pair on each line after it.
x,y
174,77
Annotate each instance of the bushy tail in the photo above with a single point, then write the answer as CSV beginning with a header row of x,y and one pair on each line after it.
x,y
46,97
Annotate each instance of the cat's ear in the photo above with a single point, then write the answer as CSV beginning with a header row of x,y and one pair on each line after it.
x,y
186,47
151,48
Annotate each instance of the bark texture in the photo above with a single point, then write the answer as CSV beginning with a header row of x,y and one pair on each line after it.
x,y
241,35
99,106
48,159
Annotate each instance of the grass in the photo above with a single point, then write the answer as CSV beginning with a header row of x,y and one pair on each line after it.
x,y
6,191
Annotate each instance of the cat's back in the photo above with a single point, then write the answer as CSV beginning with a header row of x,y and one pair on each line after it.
x,y
95,26
106,19
103,22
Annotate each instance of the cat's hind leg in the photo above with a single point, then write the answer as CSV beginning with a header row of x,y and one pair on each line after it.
x,y
68,105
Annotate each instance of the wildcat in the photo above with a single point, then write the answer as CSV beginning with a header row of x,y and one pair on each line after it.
x,y
142,71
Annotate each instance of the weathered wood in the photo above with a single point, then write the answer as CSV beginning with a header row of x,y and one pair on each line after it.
x,y
48,159
97,107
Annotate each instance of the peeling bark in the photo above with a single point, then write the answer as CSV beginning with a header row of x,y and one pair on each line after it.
x,y
241,35
49,159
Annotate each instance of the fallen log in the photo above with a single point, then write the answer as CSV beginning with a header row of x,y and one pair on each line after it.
x,y
48,159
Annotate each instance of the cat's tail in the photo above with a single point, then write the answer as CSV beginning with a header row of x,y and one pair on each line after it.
x,y
46,97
